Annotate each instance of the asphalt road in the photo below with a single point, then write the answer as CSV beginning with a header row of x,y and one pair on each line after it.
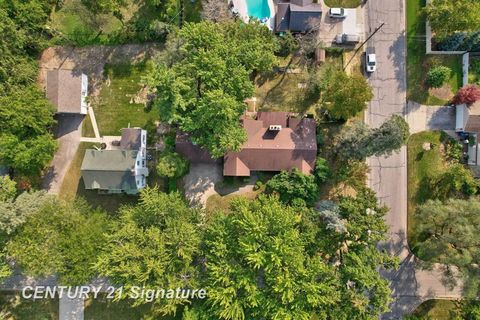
x,y
388,176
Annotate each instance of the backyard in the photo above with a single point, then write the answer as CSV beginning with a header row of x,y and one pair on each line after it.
x,y
121,101
285,89
474,70
13,307
418,63
422,165
73,23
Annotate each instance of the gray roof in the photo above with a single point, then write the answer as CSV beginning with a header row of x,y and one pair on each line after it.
x,y
131,139
295,16
64,88
109,169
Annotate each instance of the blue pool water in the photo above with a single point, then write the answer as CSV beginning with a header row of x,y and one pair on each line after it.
x,y
258,9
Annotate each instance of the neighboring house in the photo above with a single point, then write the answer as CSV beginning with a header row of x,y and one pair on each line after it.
x,y
294,15
468,125
276,141
118,170
67,90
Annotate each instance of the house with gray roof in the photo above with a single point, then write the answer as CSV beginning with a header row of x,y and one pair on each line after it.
x,y
67,90
118,170
295,15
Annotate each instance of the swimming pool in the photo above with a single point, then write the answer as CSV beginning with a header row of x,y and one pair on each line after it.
x,y
258,9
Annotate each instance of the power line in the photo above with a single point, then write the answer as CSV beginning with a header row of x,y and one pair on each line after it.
x,y
363,43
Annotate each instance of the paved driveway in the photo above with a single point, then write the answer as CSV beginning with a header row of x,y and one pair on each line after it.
x,y
421,117
388,176
68,134
200,182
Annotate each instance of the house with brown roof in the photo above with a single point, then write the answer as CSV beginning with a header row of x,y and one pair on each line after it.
x,y
67,90
276,141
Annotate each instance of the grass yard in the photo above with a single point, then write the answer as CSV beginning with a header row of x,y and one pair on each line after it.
x,y
73,187
121,99
279,91
218,202
421,165
439,310
343,3
418,63
13,307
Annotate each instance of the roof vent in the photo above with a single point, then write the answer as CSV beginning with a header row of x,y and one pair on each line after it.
x,y
275,127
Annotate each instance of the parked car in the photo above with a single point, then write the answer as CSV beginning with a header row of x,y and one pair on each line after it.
x,y
347,38
370,60
337,13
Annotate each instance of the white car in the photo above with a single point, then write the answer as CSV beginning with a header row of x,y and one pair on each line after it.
x,y
337,13
370,60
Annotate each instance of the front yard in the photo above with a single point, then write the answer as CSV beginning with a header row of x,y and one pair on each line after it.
x,y
421,166
439,310
418,63
343,3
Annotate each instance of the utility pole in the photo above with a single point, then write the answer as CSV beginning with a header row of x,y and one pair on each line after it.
x,y
363,43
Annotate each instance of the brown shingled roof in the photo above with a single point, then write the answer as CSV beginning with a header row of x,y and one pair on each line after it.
x,y
64,89
294,146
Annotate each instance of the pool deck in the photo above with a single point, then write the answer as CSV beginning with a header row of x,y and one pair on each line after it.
x,y
241,7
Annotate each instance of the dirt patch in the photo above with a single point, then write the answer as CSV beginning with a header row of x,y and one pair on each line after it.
x,y
444,92
91,60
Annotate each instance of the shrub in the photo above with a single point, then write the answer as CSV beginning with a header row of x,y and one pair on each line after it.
x,y
172,165
437,76
453,42
322,171
293,185
468,95
454,150
287,44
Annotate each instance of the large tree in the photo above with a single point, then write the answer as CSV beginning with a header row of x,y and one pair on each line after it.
x,y
345,95
62,239
448,233
26,144
447,17
203,80
358,142
265,260
155,245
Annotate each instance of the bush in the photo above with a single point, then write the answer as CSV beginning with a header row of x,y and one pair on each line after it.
x,y
453,42
294,185
437,76
172,165
287,44
468,95
322,171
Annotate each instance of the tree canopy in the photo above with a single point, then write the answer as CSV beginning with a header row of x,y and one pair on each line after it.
x,y
203,80
345,96
447,17
26,145
60,238
172,165
447,233
358,142
293,186
154,245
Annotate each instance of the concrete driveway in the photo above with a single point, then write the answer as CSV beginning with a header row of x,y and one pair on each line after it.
x,y
200,182
421,117
68,134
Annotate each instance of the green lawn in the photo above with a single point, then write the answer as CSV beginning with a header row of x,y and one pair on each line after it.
x,y
279,91
218,202
439,310
343,3
13,307
474,70
73,187
121,99
421,165
418,63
